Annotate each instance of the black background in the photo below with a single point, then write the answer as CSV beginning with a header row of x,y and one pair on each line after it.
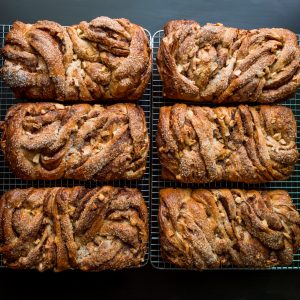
x,y
147,282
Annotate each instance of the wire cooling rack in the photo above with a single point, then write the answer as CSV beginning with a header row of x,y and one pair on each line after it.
x,y
7,179
291,185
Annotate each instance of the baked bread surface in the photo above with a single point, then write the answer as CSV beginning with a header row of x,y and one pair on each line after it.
x,y
101,59
239,144
214,63
52,141
202,229
73,228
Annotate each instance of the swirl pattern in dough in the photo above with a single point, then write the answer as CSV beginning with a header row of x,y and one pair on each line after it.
x,y
240,144
103,59
203,229
73,228
52,141
219,64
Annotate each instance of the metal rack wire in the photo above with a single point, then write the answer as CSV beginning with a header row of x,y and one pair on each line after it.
x,y
7,179
291,185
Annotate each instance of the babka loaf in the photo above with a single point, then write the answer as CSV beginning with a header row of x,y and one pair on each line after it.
x,y
219,64
203,229
73,228
103,59
240,144
52,141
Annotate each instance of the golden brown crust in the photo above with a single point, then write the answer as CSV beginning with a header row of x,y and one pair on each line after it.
x,y
103,59
73,228
203,229
52,141
240,144
220,64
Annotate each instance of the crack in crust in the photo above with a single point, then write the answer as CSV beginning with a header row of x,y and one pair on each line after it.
x,y
239,144
52,141
202,229
103,59
219,64
73,228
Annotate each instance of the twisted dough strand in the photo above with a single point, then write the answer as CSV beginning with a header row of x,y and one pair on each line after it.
x,y
51,141
103,59
220,64
240,144
203,229
69,228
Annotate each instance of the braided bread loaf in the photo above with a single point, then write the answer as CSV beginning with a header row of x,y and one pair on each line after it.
x,y
103,59
63,228
219,64
246,144
203,229
51,141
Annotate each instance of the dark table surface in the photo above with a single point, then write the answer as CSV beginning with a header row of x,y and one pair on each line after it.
x,y
147,282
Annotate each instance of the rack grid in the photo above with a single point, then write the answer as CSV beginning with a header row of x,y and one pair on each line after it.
x,y
7,179
157,183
